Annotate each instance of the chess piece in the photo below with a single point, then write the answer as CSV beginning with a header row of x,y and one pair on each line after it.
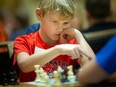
x,y
59,69
57,79
37,79
71,77
45,77
63,76
62,73
13,78
5,80
42,75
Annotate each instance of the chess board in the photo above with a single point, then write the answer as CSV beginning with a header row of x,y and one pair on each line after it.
x,y
58,77
49,84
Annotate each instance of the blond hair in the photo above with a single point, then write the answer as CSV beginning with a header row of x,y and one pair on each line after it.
x,y
67,8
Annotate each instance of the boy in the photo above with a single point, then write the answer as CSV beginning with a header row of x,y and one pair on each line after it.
x,y
44,47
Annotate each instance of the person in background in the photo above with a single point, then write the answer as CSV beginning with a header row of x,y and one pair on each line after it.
x,y
3,34
98,13
55,44
27,30
101,68
21,27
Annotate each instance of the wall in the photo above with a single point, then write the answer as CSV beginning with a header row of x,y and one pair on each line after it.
x,y
29,7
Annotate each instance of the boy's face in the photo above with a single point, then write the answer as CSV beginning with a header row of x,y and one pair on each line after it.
x,y
52,25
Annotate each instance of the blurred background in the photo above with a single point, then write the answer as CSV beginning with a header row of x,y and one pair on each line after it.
x,y
18,14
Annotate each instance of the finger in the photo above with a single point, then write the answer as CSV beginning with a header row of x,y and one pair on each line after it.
x,y
84,53
77,53
73,58
62,39
72,54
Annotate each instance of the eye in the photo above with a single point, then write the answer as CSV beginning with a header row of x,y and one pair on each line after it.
x,y
66,23
54,21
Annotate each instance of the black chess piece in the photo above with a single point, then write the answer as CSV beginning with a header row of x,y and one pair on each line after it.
x,y
10,78
13,78
63,76
5,79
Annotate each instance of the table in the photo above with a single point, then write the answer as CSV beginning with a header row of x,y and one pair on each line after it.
x,y
105,84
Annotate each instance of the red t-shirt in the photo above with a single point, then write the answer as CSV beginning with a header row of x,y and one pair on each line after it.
x,y
28,43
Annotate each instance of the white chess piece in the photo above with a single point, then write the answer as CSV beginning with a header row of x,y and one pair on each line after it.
x,y
60,69
45,77
71,77
37,79
42,74
57,79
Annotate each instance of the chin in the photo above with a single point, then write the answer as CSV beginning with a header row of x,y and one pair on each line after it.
x,y
55,39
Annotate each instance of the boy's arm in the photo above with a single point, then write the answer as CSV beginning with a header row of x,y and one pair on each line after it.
x,y
26,62
74,33
83,43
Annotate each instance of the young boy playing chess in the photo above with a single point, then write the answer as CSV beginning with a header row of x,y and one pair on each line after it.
x,y
54,44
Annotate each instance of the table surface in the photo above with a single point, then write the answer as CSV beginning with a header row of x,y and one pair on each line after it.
x,y
76,84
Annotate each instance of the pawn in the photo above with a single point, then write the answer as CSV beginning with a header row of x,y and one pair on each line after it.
x,y
57,79
42,75
59,69
45,77
71,77
37,71
62,73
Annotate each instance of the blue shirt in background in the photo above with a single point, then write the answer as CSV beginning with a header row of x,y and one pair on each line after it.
x,y
106,58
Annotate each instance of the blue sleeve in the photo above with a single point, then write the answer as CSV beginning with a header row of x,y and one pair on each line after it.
x,y
106,58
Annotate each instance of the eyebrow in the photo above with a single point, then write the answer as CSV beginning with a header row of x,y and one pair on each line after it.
x,y
65,20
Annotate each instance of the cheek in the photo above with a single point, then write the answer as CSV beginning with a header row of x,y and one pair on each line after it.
x,y
44,25
49,28
67,26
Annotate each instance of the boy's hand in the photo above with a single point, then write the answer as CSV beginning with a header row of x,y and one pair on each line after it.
x,y
67,35
73,50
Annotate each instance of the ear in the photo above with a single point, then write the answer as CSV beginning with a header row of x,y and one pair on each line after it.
x,y
38,14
